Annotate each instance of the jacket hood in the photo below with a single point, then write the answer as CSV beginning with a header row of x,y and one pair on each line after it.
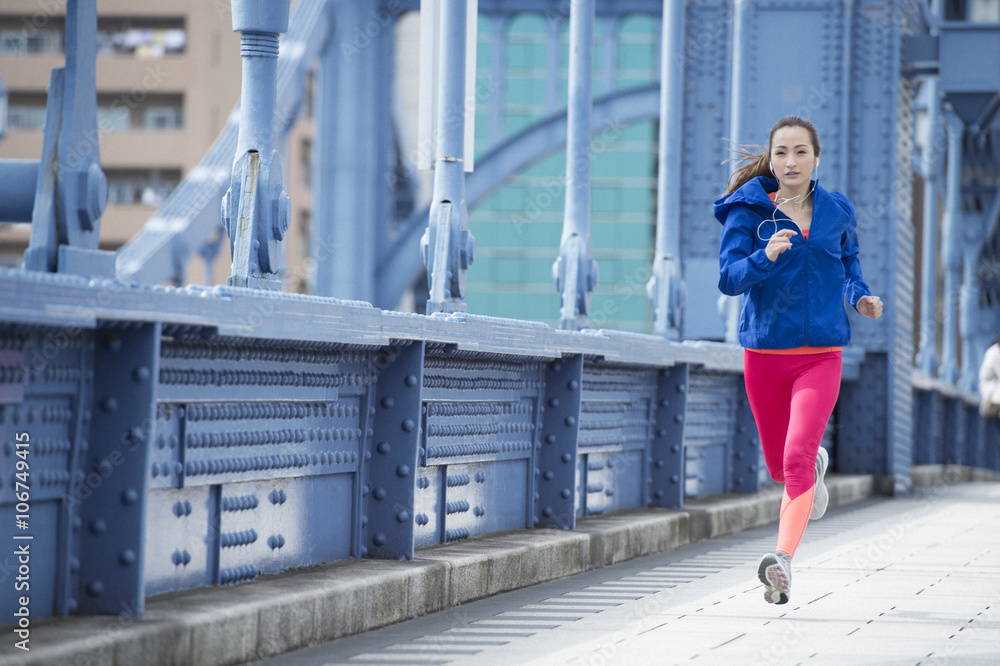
x,y
754,193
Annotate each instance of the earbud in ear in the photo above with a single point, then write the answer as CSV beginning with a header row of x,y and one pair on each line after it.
x,y
770,165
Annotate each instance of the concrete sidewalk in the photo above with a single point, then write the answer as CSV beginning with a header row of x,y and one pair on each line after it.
x,y
275,614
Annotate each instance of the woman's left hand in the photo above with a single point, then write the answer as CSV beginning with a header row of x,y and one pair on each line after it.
x,y
870,306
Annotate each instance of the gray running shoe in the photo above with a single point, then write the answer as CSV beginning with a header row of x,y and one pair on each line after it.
x,y
821,497
776,574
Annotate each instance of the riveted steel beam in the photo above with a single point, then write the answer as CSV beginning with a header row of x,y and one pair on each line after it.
x,y
745,452
924,417
557,449
666,449
390,457
112,518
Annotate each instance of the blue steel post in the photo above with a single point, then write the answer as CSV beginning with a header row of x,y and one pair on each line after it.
x,y
973,456
666,449
745,447
926,359
861,443
737,133
953,446
575,271
925,413
256,208
448,246
951,248
391,458
555,462
352,134
71,190
110,579
17,189
665,288
972,349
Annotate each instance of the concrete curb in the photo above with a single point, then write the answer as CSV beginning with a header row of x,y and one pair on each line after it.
x,y
278,613
937,475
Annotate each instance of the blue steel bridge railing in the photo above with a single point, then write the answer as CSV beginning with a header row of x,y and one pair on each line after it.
x,y
178,437
187,437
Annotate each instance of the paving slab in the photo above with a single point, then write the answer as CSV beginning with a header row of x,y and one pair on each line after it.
x,y
275,614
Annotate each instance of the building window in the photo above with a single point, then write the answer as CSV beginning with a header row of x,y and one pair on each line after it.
x,y
26,117
138,187
139,111
115,113
975,11
114,119
28,39
26,111
140,37
164,118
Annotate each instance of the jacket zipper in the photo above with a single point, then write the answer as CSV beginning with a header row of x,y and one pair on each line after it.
x,y
805,288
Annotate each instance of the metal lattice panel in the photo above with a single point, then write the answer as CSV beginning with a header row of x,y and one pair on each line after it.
x,y
480,423
290,446
709,429
615,427
43,398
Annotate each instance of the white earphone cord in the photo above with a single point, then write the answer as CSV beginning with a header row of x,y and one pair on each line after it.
x,y
780,202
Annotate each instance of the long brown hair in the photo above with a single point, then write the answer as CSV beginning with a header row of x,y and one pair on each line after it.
x,y
758,163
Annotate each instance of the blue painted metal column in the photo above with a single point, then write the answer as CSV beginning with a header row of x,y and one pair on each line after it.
x,y
555,460
351,145
926,359
666,471
737,131
448,246
256,208
17,189
391,461
924,424
951,248
745,449
71,190
973,347
575,271
665,287
113,517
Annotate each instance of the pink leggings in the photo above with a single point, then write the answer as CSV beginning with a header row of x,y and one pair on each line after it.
x,y
792,397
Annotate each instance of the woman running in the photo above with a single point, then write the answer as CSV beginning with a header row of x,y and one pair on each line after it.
x,y
791,248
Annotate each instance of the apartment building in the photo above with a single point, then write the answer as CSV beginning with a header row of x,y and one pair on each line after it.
x,y
168,77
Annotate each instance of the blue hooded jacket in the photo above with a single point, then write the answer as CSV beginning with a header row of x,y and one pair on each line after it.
x,y
798,299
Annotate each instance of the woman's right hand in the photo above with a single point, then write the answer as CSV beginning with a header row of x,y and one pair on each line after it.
x,y
780,241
